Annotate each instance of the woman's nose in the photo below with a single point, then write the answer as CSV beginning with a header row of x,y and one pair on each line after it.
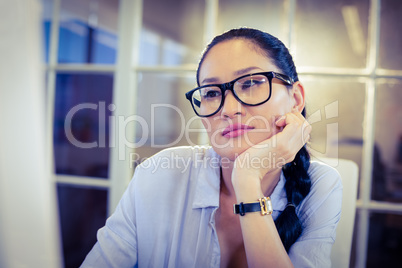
x,y
231,106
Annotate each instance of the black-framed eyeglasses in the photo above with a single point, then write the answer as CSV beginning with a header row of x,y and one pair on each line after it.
x,y
251,89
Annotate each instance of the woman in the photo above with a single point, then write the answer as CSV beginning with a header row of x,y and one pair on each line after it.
x,y
251,199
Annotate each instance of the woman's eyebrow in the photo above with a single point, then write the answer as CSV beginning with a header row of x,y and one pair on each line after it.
x,y
210,80
236,73
246,70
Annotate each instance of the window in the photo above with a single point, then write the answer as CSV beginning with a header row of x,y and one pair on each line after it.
x,y
80,52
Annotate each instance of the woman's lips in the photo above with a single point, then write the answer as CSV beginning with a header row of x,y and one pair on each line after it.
x,y
235,130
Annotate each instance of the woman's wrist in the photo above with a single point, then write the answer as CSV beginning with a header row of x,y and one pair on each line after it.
x,y
247,188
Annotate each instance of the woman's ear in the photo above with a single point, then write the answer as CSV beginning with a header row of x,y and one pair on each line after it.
x,y
297,94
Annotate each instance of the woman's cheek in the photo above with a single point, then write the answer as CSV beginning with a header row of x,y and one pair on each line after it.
x,y
208,126
205,122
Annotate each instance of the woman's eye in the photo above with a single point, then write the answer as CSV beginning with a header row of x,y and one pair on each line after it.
x,y
211,94
250,83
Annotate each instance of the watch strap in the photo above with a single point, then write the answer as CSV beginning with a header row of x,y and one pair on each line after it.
x,y
264,206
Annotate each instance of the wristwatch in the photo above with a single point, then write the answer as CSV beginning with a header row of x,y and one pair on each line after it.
x,y
264,206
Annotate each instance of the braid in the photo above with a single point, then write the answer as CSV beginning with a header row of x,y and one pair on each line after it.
x,y
297,187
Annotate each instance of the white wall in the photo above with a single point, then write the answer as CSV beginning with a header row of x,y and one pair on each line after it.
x,y
29,235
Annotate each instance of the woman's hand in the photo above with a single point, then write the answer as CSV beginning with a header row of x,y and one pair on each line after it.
x,y
278,150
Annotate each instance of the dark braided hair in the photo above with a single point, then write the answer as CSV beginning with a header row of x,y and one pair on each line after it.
x,y
298,181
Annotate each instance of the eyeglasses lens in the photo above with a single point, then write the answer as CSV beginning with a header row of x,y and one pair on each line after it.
x,y
250,90
207,100
253,89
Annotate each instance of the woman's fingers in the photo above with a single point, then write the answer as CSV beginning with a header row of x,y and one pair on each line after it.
x,y
281,121
306,132
294,135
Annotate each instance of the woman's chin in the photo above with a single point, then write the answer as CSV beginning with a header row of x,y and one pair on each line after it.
x,y
231,151
231,148
229,154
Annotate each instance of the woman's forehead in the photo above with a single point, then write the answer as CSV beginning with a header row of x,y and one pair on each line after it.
x,y
231,57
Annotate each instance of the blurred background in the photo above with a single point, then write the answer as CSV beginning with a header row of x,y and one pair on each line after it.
x,y
122,58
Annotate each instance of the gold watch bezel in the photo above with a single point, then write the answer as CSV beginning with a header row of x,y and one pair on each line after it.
x,y
266,206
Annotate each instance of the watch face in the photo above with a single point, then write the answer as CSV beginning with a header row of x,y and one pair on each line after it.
x,y
266,206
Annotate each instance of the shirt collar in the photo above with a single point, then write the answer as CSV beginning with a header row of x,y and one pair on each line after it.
x,y
208,181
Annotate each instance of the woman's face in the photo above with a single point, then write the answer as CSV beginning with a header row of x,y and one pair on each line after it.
x,y
236,127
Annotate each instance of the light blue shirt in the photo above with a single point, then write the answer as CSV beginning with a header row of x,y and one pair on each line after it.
x,y
166,216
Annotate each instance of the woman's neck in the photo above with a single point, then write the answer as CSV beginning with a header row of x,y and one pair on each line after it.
x,y
268,183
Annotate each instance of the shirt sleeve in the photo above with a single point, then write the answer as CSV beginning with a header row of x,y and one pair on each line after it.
x,y
319,213
116,245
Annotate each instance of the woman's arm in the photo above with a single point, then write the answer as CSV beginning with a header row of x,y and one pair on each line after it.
x,y
262,243
116,245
